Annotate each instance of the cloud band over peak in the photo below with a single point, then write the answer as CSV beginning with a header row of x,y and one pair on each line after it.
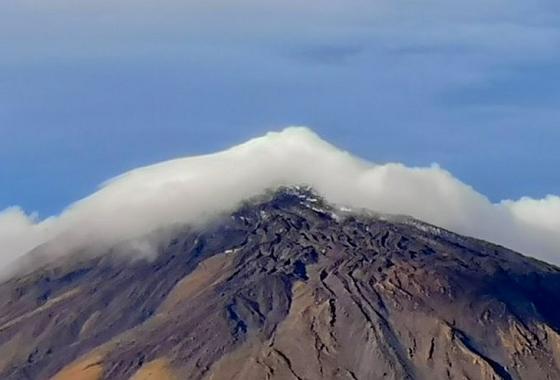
x,y
188,190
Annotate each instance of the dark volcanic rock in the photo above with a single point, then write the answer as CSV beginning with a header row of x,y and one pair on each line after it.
x,y
286,288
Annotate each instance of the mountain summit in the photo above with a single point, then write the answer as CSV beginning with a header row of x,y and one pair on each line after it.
x,y
288,287
199,188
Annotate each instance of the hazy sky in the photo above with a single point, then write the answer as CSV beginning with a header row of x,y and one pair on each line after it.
x,y
89,89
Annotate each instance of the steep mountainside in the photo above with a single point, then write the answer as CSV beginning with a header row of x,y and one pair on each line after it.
x,y
288,288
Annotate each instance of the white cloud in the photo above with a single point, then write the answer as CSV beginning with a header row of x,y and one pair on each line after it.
x,y
195,188
541,213
18,233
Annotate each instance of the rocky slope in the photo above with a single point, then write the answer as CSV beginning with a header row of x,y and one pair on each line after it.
x,y
288,288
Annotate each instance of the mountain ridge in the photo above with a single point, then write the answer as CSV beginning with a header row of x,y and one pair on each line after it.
x,y
285,287
196,188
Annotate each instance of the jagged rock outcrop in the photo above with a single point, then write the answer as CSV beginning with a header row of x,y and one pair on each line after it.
x,y
288,287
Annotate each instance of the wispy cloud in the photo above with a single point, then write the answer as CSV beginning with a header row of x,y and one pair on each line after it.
x,y
190,190
531,85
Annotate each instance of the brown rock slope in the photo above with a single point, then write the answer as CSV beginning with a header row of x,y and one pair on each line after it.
x,y
286,289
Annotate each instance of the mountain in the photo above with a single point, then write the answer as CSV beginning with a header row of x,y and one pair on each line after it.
x,y
287,287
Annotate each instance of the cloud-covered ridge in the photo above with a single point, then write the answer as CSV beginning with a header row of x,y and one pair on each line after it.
x,y
195,188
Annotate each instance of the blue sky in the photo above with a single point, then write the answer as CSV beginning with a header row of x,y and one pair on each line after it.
x,y
89,89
